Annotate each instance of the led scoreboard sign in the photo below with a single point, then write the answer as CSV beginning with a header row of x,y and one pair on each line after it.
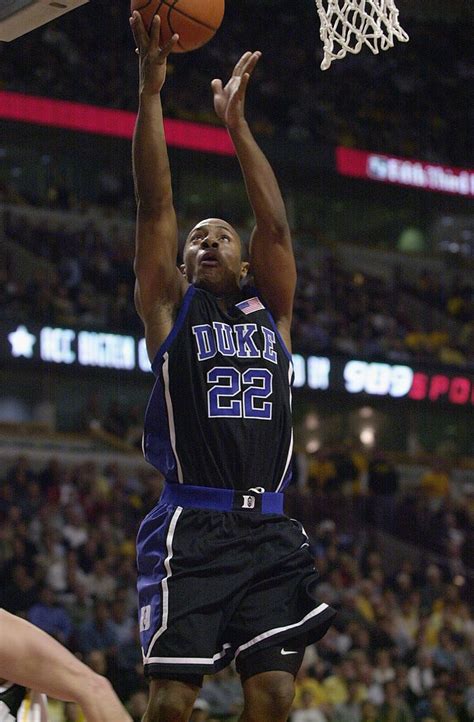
x,y
398,381
117,352
382,379
405,172
81,348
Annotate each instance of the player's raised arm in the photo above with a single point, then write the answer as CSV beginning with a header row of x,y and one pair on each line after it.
x,y
271,254
159,283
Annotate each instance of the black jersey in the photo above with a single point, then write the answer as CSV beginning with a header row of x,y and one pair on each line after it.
x,y
11,697
220,412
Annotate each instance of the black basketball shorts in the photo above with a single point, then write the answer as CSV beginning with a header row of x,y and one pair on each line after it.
x,y
217,585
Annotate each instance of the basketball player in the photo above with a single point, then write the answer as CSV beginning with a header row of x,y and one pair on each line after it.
x,y
31,658
223,573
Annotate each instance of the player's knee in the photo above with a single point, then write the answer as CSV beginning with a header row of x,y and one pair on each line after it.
x,y
170,702
269,695
167,710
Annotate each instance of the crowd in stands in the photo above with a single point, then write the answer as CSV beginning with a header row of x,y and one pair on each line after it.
x,y
455,300
406,101
401,648
336,310
354,313
92,282
354,487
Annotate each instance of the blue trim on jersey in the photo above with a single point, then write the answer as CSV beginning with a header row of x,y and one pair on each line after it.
x,y
176,328
159,453
278,334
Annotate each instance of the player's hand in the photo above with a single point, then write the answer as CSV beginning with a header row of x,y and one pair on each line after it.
x,y
229,101
152,56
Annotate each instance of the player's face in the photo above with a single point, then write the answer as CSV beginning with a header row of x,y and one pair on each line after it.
x,y
213,256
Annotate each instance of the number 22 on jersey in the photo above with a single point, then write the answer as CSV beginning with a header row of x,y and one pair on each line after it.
x,y
236,394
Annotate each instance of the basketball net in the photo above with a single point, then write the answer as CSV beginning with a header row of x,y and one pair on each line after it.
x,y
347,25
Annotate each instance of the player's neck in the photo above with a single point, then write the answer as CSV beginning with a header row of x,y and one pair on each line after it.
x,y
225,298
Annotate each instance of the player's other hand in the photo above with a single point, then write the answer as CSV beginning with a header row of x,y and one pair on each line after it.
x,y
152,57
229,100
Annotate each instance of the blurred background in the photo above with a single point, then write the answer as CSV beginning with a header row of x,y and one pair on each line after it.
x,y
376,163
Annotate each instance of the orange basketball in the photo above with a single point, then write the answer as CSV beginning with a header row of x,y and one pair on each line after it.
x,y
195,21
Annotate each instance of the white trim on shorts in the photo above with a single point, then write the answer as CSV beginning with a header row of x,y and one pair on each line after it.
x,y
164,581
188,660
277,630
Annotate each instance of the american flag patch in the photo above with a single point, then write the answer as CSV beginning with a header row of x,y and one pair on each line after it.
x,y
250,305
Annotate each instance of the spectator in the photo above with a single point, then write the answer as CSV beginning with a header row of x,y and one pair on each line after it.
x,y
435,484
394,709
223,693
74,531
456,699
407,622
349,711
369,712
383,483
123,625
20,593
49,616
444,656
435,707
421,676
19,476
470,692
115,420
22,549
126,667
336,684
98,633
51,550
311,689
384,671
64,574
433,587
100,582
79,605
97,661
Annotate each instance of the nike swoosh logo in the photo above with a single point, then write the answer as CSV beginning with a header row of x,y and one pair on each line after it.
x,y
289,651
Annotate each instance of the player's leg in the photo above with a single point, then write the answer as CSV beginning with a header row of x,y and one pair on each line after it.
x,y
270,614
171,700
181,609
268,680
268,697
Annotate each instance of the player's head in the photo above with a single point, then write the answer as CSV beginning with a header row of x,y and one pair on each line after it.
x,y
213,256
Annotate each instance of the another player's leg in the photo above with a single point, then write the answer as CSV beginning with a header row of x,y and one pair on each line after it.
x,y
170,701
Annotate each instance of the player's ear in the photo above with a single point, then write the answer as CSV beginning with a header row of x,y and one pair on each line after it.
x,y
244,269
182,268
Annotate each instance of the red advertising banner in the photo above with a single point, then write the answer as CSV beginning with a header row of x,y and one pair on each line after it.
x,y
107,121
405,172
